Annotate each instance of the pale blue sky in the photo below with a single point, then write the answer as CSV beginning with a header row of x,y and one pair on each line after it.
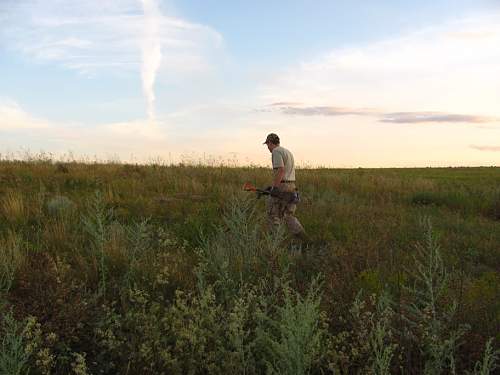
x,y
383,83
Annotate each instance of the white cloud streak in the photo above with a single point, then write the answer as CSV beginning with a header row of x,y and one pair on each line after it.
x,y
151,52
108,37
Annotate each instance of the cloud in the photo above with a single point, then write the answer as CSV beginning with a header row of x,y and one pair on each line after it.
x,y
143,139
93,37
486,148
151,52
88,35
325,111
477,34
428,117
13,117
288,108
178,135
284,104
449,68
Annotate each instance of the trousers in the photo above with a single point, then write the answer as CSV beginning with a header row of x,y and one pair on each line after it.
x,y
279,211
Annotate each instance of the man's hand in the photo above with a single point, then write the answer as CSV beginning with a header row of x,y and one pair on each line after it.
x,y
274,191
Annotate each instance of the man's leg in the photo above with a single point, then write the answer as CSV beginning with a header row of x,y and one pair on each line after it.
x,y
274,213
293,224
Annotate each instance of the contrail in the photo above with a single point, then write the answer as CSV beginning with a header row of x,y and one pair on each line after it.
x,y
151,52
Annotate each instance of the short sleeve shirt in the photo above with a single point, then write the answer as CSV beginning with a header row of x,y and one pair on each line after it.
x,y
281,157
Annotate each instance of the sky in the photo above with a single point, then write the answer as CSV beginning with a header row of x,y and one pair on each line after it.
x,y
344,83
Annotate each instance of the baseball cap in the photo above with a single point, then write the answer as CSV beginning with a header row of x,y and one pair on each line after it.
x,y
273,138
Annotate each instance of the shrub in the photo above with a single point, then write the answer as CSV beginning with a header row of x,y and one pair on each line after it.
x,y
241,250
96,227
489,362
381,337
11,259
481,301
424,198
430,318
493,209
455,199
194,335
13,357
367,343
291,337
60,206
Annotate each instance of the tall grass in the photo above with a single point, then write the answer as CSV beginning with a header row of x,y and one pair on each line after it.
x,y
381,337
488,364
13,207
170,269
292,337
13,357
430,314
241,249
95,224
11,259
139,246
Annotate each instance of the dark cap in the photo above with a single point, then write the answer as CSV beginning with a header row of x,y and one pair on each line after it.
x,y
272,138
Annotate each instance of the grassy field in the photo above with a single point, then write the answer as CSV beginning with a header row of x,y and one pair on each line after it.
x,y
128,269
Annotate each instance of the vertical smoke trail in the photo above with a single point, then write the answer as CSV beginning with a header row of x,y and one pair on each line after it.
x,y
151,52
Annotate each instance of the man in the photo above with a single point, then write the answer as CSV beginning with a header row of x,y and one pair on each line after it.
x,y
284,181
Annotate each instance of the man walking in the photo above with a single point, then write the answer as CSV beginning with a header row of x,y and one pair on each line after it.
x,y
280,209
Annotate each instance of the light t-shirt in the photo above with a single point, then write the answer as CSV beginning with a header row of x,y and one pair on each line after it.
x,y
281,157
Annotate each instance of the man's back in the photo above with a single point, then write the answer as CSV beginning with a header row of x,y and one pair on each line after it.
x,y
282,157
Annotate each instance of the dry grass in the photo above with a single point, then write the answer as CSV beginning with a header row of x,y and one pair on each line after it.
x,y
12,257
12,206
362,224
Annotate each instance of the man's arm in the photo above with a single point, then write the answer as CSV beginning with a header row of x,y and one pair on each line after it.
x,y
279,174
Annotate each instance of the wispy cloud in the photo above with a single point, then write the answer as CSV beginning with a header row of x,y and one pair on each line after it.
x,y
289,108
325,111
429,117
285,104
451,68
13,117
140,138
151,52
486,148
123,138
93,37
87,35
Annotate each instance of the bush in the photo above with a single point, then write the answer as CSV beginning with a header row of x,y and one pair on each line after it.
x,y
367,343
60,206
291,335
194,335
488,364
430,315
13,357
241,251
11,259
